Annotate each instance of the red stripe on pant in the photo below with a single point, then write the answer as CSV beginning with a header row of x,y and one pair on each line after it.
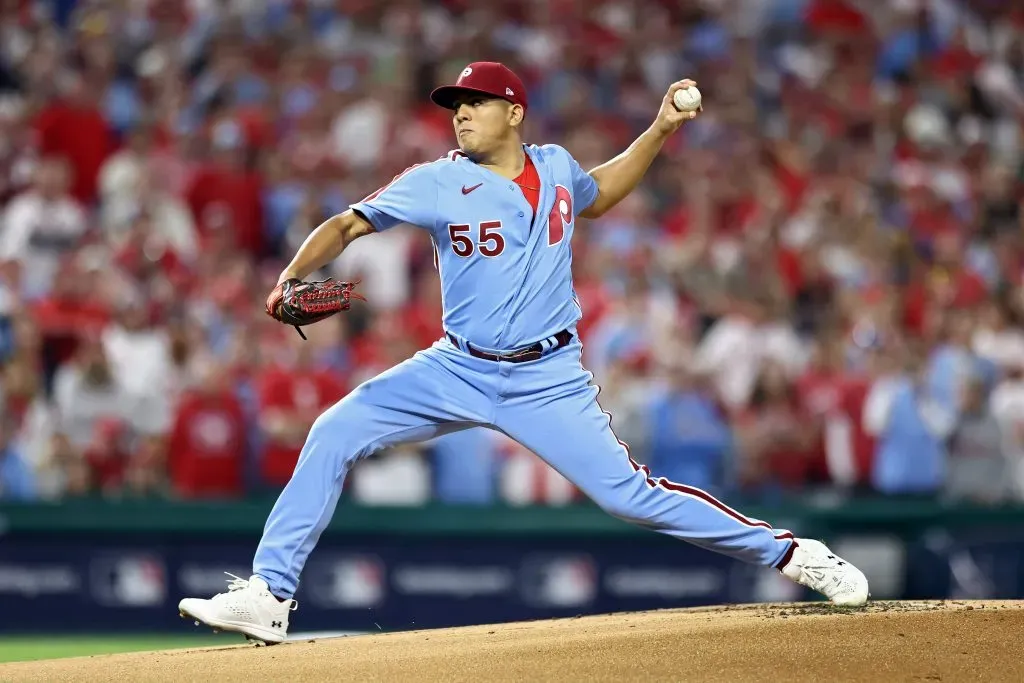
x,y
705,496
690,490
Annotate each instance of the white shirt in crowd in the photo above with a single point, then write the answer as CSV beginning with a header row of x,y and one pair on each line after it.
x,y
735,349
1003,347
1007,404
123,180
79,405
381,260
36,232
878,405
141,364
360,133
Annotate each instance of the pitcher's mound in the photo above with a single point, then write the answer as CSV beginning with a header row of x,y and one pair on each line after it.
x,y
886,641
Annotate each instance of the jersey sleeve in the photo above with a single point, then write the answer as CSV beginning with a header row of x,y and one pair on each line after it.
x,y
584,187
411,197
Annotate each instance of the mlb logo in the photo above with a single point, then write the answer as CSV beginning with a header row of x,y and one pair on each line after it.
x,y
349,581
129,581
560,581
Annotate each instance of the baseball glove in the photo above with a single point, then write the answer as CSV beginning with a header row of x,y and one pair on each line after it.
x,y
299,303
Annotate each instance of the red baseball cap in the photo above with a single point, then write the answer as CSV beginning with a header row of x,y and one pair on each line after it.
x,y
485,78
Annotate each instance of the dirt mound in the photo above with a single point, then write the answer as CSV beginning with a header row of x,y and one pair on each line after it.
x,y
887,641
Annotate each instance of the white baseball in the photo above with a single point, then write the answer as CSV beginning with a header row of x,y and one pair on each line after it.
x,y
687,99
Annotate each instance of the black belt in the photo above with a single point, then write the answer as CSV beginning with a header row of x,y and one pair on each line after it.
x,y
522,355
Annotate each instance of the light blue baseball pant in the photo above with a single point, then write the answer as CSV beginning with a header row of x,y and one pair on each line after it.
x,y
549,405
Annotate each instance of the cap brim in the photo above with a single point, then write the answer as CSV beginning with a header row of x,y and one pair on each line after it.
x,y
446,95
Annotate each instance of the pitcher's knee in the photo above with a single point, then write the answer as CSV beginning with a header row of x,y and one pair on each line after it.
x,y
324,428
340,431
618,508
622,501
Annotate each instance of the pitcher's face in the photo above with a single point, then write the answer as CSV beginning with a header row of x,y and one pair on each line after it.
x,y
482,123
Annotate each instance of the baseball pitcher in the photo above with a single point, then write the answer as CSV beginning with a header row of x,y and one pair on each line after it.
x,y
501,215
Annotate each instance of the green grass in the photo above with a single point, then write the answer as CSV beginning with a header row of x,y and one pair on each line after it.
x,y
28,648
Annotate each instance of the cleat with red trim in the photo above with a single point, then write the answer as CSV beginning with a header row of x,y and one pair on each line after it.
x,y
815,566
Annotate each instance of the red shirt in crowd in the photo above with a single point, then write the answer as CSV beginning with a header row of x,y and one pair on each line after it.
x,y
789,465
855,392
235,192
819,394
792,184
835,16
64,320
303,394
422,323
836,401
139,259
960,288
80,135
207,445
790,269
106,454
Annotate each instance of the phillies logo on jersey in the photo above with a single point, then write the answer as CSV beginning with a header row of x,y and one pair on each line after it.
x,y
561,215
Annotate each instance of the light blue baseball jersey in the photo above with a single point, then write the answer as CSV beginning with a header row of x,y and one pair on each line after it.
x,y
506,273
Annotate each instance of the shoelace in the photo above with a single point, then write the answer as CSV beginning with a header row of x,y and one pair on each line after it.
x,y
237,583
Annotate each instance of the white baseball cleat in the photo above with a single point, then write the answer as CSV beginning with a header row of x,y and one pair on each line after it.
x,y
248,608
815,566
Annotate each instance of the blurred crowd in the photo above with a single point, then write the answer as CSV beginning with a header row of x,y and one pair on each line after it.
x,y
817,287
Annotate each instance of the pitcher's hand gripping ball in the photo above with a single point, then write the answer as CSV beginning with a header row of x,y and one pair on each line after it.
x,y
298,303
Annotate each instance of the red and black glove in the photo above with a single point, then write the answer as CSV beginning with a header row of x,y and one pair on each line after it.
x,y
299,303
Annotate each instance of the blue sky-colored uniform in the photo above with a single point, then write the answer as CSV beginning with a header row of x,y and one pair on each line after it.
x,y
506,282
